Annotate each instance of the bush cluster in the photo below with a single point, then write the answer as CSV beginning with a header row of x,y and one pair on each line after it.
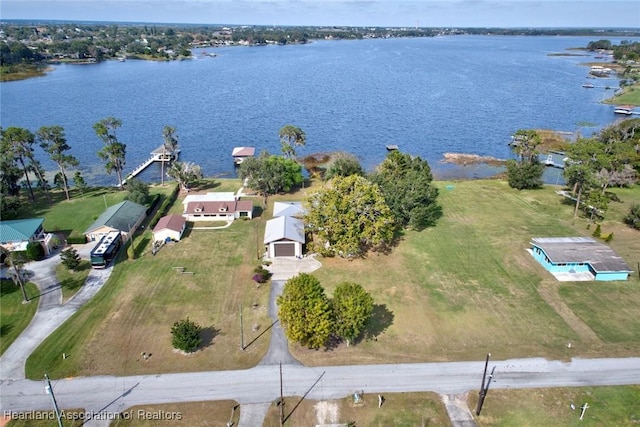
x,y
164,207
261,274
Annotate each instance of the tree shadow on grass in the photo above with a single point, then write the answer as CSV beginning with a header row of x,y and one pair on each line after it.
x,y
71,284
381,319
141,245
208,335
5,329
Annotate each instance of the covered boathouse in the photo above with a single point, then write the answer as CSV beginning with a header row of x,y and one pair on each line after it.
x,y
578,259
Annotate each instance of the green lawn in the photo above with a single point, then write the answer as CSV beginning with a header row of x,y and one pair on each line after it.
x,y
72,217
608,406
71,281
453,292
469,286
398,410
135,310
14,315
631,96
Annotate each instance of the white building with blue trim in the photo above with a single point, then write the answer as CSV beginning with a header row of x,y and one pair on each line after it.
x,y
579,259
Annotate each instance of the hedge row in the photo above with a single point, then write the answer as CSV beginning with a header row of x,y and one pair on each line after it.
x,y
164,208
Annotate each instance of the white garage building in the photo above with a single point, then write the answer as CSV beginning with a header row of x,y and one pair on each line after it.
x,y
284,237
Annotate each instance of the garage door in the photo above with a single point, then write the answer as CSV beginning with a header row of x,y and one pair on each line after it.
x,y
285,249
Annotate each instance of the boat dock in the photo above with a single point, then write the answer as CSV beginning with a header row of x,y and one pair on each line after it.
x,y
157,155
392,147
551,162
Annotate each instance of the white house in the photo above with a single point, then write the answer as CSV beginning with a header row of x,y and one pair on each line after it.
x,y
216,207
169,227
284,237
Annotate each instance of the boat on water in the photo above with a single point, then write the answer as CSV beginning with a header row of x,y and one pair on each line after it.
x,y
624,109
588,85
392,147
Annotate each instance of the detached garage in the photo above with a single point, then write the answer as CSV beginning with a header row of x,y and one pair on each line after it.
x,y
284,237
169,227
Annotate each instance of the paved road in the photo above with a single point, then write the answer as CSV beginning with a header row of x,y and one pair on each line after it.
x,y
262,383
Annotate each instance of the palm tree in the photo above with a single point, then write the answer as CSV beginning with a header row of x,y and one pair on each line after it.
x,y
170,144
291,136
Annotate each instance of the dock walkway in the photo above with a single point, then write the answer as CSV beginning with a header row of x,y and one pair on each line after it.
x,y
157,155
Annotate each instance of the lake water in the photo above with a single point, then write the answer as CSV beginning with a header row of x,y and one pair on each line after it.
x,y
429,96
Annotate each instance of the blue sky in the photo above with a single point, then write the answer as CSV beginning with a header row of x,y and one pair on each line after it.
x,y
425,13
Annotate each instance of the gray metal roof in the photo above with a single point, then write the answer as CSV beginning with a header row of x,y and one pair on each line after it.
x,y
284,227
288,209
581,249
121,217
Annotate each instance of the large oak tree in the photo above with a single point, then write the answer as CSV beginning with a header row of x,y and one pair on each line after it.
x,y
349,216
407,185
305,311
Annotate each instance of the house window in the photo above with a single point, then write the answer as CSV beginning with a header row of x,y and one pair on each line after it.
x,y
244,213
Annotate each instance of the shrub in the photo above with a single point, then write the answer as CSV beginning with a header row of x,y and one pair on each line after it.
x,y
609,237
261,274
186,335
633,217
70,258
76,240
597,232
164,207
35,251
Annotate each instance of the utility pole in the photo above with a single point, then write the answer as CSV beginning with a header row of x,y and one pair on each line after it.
x,y
281,399
241,330
49,390
481,394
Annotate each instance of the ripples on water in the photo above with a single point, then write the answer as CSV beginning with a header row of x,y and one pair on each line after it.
x,y
429,95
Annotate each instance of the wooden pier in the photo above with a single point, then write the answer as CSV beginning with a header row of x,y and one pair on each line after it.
x,y
549,161
157,155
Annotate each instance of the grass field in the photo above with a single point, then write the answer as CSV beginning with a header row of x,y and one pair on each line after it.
x,y
193,414
72,217
14,315
453,292
607,406
468,286
72,281
398,410
135,310
630,96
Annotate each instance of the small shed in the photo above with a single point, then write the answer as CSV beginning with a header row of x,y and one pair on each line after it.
x,y
169,227
239,154
578,259
284,237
